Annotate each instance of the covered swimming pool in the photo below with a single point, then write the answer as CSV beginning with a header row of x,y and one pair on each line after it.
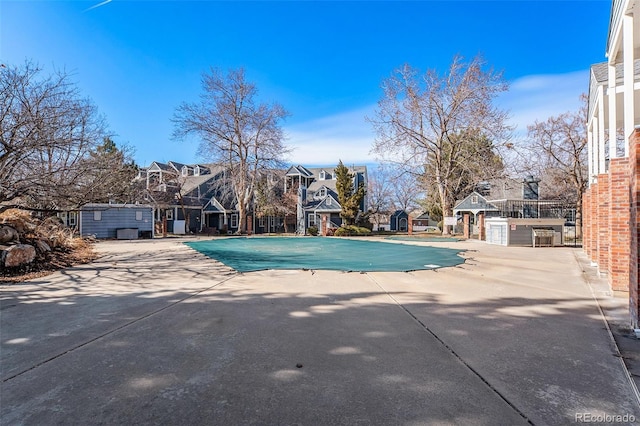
x,y
246,254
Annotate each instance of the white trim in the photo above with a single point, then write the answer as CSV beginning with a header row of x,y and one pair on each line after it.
x,y
613,125
601,127
628,68
234,220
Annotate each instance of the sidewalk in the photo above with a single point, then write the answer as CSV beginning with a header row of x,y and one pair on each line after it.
x,y
155,333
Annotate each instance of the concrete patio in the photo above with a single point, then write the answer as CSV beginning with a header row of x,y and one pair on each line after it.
x,y
155,333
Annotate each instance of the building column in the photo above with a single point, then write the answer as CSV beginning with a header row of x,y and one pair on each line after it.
x,y
613,119
593,224
465,222
590,156
324,225
634,222
628,58
601,131
481,229
586,222
602,206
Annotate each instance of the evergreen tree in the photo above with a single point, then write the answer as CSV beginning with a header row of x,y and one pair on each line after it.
x,y
348,197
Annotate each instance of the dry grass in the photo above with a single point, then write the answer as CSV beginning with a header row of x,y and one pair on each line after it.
x,y
54,261
65,249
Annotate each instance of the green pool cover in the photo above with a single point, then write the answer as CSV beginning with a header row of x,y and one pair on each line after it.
x,y
258,253
425,239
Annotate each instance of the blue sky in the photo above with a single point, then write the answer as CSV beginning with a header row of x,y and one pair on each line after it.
x,y
323,61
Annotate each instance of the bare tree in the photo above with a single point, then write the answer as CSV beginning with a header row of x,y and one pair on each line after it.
x,y
236,131
442,129
380,193
406,190
556,150
50,140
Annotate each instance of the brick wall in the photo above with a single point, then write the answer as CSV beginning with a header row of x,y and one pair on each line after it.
x,y
634,219
602,215
593,223
466,223
619,234
586,222
611,225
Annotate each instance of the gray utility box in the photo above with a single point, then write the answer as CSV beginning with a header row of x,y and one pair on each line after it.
x,y
127,233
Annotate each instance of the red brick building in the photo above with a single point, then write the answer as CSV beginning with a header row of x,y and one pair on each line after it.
x,y
611,220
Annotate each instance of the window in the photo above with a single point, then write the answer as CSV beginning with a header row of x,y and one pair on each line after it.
x,y
329,201
234,220
97,215
139,215
474,199
312,219
261,222
322,192
196,171
169,214
72,218
322,175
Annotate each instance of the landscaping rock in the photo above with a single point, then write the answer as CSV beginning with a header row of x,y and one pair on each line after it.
x,y
19,255
8,233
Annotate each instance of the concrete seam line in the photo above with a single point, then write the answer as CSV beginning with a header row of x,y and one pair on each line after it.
x,y
33,367
603,317
451,350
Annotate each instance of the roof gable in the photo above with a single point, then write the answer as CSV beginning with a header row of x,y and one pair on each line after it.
x,y
474,202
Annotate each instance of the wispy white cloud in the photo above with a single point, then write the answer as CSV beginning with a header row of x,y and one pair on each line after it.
x,y
97,5
349,137
345,136
538,97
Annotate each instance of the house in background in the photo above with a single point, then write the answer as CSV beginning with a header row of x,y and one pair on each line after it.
x,y
611,216
189,198
473,205
522,213
399,221
318,196
121,221
422,222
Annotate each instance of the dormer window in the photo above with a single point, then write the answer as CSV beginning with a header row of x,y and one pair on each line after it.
x,y
322,192
196,171
322,175
185,171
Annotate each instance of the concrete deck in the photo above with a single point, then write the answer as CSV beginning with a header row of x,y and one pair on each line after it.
x,y
155,333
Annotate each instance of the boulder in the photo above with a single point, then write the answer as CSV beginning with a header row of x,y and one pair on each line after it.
x,y
8,233
19,255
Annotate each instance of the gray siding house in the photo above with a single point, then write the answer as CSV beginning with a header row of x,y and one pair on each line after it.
x,y
125,221
399,221
317,194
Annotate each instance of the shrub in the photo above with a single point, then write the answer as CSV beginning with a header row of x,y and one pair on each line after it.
x,y
312,230
351,230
